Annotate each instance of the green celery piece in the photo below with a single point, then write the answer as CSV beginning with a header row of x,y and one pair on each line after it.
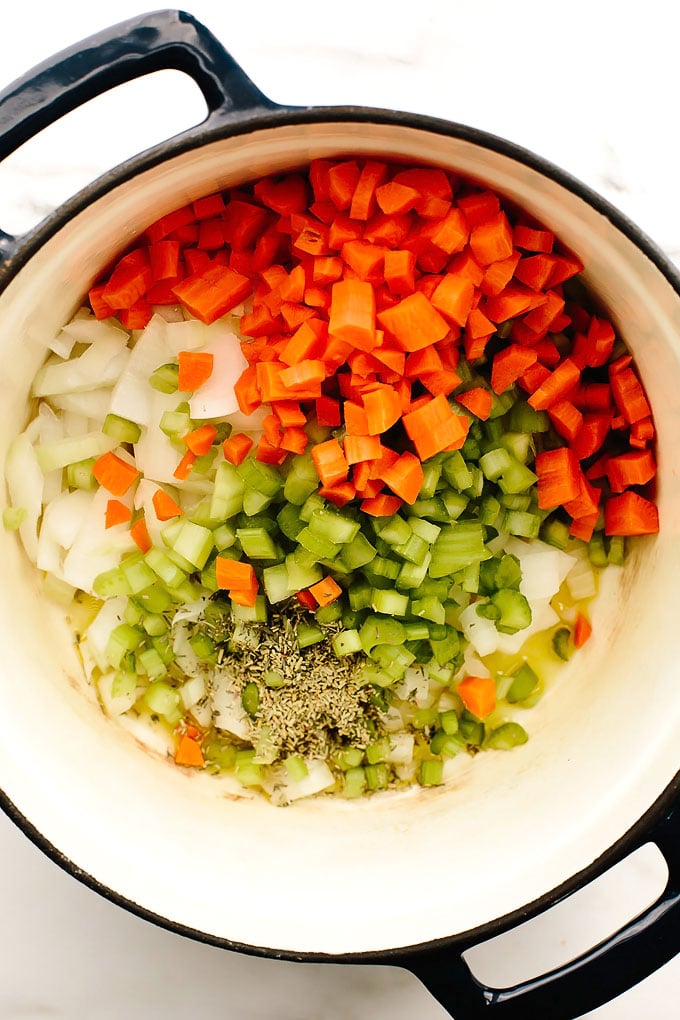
x,y
289,521
257,544
296,767
166,378
515,500
616,554
378,751
151,663
518,444
250,698
446,649
254,502
123,639
330,613
416,631
162,699
346,642
333,526
378,630
495,463
424,529
562,643
276,583
509,572
154,599
431,474
489,508
321,548
455,503
396,531
378,776
358,552
264,478
389,603
164,568
256,613
227,494
431,509
354,783
449,722
121,429
446,744
137,573
524,683
428,608
506,736
597,550
194,543
521,523
515,611
456,471
517,477
79,475
224,537
385,568
313,503
393,660
412,575
154,624
111,582
360,595
523,418
301,481
349,758
309,634
456,546
301,576
431,772
555,532
177,423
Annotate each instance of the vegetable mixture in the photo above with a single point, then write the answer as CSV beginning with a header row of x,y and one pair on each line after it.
x,y
324,472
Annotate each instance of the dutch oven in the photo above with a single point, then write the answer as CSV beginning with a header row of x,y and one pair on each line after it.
x,y
413,879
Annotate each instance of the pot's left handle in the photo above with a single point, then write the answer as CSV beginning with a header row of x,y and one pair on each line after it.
x,y
162,40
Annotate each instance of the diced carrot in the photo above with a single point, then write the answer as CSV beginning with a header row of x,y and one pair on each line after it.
x,y
359,448
478,400
294,439
478,694
628,394
200,439
491,240
591,435
165,225
556,385
434,426
453,297
212,293
330,462
129,281
587,500
164,257
352,313
478,206
427,359
558,477
393,197
140,535
630,514
405,477
235,575
414,322
188,752
237,447
584,527
325,591
165,506
100,308
183,469
303,374
114,474
116,513
635,468
445,381
195,368
509,364
513,300
535,270
533,239
373,173
566,419
383,505
498,275
383,409
339,494
582,630
366,259
269,453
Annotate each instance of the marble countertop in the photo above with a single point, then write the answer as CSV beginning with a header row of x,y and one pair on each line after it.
x,y
586,85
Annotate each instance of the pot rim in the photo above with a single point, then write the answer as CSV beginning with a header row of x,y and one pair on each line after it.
x,y
17,253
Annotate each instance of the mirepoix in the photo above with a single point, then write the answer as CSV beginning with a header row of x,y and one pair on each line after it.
x,y
350,446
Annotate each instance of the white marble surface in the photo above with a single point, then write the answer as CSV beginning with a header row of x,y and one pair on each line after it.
x,y
589,85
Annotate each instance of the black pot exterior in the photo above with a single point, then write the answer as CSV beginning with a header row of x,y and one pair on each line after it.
x,y
173,39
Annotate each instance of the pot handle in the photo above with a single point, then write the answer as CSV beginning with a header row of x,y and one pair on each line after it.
x,y
592,979
162,40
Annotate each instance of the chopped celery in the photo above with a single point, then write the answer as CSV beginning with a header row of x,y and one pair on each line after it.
x,y
137,573
360,595
457,472
289,521
308,634
333,527
524,683
377,776
396,531
354,782
301,481
456,546
123,639
250,699
515,611
521,523
424,529
170,574
346,642
506,736
257,544
177,423
391,603
321,548
227,493
562,643
296,767
446,744
380,630
166,378
80,476
349,758
274,679
276,583
431,772
428,608
358,552
256,613
151,663
301,576
194,543
121,429
616,551
449,722
330,613
162,699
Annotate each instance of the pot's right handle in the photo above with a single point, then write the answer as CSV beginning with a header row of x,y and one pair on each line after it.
x,y
162,40
610,969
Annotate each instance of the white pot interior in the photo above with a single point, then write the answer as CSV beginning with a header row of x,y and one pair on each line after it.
x,y
330,876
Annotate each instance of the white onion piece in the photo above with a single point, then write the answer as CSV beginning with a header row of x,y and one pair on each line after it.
x,y
87,329
227,708
155,455
118,704
192,691
581,580
216,397
143,500
96,548
251,424
480,632
415,684
93,404
59,527
25,483
149,731
171,313
544,568
401,748
98,633
100,365
319,778
185,335
132,396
